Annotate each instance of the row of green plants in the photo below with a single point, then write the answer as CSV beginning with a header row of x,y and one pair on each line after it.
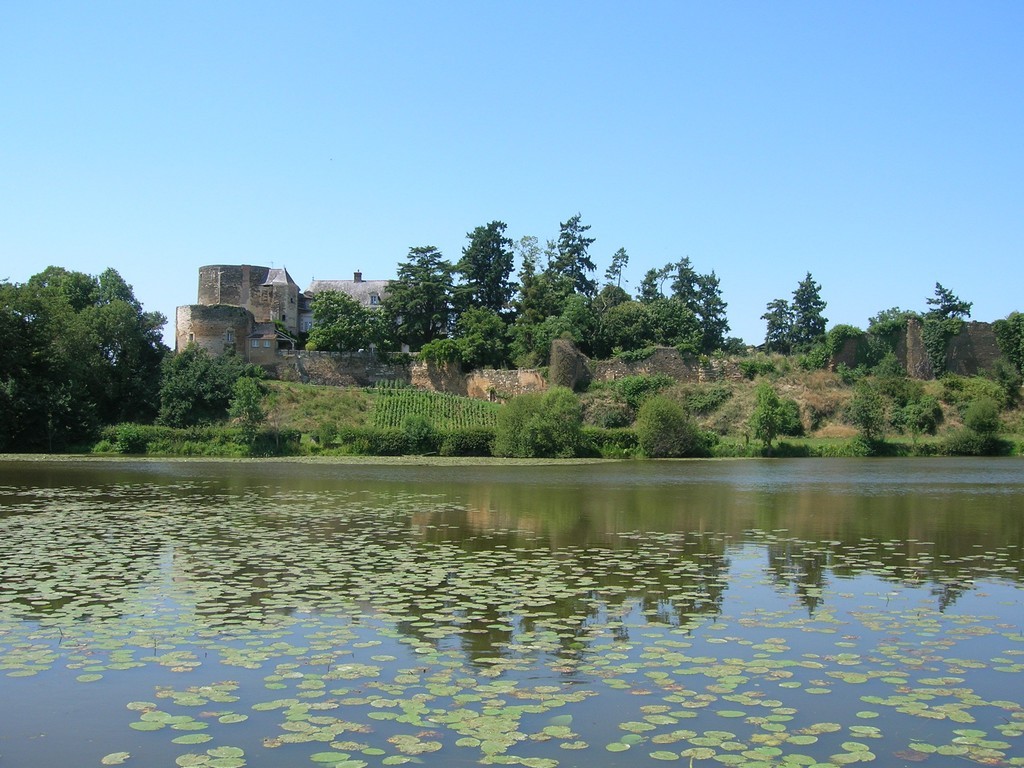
x,y
394,405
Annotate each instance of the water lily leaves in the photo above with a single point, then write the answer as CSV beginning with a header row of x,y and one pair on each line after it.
x,y
115,758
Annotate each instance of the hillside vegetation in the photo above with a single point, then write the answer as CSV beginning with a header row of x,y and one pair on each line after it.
x,y
777,409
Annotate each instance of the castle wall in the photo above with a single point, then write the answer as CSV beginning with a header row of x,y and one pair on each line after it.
x,y
667,361
972,350
242,285
218,329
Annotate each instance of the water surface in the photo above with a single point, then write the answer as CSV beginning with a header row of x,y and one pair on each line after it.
x,y
749,613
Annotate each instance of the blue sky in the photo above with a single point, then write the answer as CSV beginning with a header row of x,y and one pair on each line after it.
x,y
878,145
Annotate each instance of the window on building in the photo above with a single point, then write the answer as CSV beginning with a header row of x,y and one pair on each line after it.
x,y
307,325
191,337
374,299
231,337
266,343
284,317
255,343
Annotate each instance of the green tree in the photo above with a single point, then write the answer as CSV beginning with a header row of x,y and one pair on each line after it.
x,y
779,333
623,327
246,407
572,259
652,285
807,307
945,305
83,354
419,301
196,388
665,431
485,268
613,275
342,324
766,421
866,411
548,425
481,336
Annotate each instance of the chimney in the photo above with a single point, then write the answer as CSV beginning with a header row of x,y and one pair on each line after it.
x,y
357,277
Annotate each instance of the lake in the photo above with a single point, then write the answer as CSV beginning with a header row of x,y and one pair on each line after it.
x,y
739,613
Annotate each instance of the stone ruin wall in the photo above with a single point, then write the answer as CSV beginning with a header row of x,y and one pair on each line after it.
x,y
363,369
669,362
208,326
973,350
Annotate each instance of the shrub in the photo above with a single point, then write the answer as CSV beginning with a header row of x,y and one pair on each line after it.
x,y
866,411
611,443
475,441
705,399
982,416
608,414
545,425
420,435
756,366
635,390
130,438
663,430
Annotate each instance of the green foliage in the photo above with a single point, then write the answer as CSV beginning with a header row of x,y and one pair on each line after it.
x,y
767,417
472,441
446,412
702,399
485,267
866,411
778,335
961,391
606,413
612,443
155,440
665,431
807,306
936,333
482,338
890,322
1010,337
982,416
196,387
573,260
420,435
790,423
831,345
441,352
545,425
342,324
246,407
919,416
419,301
756,366
635,390
946,305
625,327
78,352
635,355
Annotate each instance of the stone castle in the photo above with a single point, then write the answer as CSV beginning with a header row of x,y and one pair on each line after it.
x,y
255,311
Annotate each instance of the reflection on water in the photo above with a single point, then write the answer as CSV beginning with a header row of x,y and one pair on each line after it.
x,y
575,574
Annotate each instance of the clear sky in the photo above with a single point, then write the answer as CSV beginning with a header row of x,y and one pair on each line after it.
x,y
878,145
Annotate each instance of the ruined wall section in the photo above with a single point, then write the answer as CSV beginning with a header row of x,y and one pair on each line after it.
x,y
973,350
669,362
364,369
217,329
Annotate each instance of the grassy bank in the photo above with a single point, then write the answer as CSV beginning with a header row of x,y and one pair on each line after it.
x,y
307,420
